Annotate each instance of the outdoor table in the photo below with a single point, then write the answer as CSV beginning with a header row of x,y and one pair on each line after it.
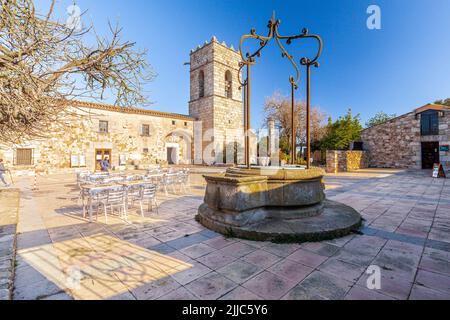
x,y
156,178
94,190
128,185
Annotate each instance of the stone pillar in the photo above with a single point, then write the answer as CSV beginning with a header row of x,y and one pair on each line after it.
x,y
198,143
332,162
273,147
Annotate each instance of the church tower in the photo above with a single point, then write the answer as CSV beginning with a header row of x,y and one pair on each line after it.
x,y
216,101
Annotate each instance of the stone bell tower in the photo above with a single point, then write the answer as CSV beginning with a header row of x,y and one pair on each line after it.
x,y
216,101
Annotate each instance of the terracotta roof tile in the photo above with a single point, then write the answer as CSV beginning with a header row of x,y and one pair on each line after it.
x,y
108,107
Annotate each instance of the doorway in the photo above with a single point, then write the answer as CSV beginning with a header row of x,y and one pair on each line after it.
x,y
430,154
100,155
173,153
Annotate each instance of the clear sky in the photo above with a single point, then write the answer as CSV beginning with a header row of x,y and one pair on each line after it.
x,y
404,65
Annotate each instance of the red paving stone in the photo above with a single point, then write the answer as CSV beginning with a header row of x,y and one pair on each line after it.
x,y
269,285
222,268
361,293
262,258
422,293
211,287
345,270
433,281
307,258
395,287
291,270
240,293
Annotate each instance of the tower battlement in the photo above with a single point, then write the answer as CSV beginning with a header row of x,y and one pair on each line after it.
x,y
214,40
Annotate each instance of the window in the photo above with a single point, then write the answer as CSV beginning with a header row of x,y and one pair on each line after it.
x,y
78,161
228,85
24,157
103,126
145,130
174,123
145,150
429,123
201,84
185,124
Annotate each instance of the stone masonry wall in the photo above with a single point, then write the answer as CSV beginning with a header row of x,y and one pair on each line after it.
x,y
217,112
81,136
394,144
397,143
344,161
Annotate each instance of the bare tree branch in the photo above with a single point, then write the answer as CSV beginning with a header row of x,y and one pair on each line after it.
x,y
44,65
278,107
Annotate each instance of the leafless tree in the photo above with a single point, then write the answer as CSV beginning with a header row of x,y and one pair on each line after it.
x,y
278,107
44,64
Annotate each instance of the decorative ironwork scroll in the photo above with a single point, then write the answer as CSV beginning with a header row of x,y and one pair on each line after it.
x,y
249,59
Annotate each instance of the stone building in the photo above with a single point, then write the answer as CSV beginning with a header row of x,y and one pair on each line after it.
x,y
216,100
139,137
127,136
416,140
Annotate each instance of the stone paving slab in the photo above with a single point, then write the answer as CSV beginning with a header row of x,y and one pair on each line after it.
x,y
9,209
169,256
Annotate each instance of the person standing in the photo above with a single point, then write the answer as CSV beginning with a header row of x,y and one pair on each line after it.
x,y
105,165
2,172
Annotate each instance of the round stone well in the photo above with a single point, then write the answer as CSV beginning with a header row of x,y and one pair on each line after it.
x,y
279,204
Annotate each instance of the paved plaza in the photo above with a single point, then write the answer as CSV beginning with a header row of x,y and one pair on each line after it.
x,y
168,255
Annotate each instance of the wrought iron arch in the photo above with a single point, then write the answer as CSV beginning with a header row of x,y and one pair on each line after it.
x,y
249,59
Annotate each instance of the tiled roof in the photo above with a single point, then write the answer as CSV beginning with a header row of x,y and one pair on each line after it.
x,y
432,106
107,107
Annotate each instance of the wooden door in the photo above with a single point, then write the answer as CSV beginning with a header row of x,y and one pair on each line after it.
x,y
430,154
100,155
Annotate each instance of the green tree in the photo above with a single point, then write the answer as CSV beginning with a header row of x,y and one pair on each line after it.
x,y
379,118
341,133
445,102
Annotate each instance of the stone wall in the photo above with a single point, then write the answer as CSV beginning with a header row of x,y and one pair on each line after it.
x,y
344,161
394,144
398,142
221,116
80,136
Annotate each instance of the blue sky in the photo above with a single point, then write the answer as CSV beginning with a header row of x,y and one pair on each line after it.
x,y
404,65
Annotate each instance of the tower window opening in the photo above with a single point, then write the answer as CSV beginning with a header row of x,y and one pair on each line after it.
x,y
201,84
228,85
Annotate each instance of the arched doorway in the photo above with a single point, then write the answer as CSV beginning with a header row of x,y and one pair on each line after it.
x,y
179,146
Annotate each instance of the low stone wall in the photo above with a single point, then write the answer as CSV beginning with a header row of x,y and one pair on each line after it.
x,y
344,161
9,207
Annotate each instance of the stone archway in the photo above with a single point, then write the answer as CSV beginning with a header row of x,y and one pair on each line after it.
x,y
178,145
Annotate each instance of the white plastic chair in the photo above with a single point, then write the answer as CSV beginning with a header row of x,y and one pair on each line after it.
x,y
170,180
148,193
116,199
